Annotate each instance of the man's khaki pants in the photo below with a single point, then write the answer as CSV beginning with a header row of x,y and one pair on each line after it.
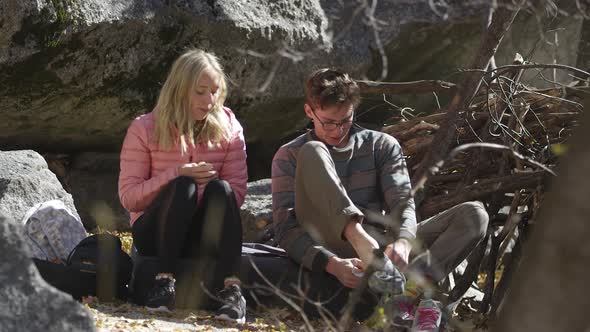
x,y
323,208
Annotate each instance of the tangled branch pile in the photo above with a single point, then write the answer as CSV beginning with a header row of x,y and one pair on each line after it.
x,y
533,123
518,133
536,123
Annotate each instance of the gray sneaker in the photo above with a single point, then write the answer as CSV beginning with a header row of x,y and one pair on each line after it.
x,y
387,279
233,306
162,295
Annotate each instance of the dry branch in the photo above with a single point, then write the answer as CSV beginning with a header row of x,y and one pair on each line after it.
x,y
482,189
399,88
501,20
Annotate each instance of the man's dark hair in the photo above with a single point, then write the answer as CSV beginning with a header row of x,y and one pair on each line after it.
x,y
328,87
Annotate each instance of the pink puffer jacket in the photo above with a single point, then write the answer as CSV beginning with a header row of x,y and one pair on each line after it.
x,y
145,169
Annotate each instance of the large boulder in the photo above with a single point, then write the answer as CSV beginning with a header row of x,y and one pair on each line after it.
x,y
25,180
73,74
27,302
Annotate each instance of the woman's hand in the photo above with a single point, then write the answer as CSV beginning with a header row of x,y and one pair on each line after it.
x,y
346,270
201,172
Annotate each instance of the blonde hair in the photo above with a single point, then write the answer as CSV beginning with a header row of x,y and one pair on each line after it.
x,y
173,118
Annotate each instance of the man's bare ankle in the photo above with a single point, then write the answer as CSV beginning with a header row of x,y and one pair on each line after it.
x,y
362,243
351,232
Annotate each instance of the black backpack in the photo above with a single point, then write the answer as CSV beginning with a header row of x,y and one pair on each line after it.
x,y
97,266
102,254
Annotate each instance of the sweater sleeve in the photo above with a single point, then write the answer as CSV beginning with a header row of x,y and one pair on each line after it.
x,y
136,188
396,185
234,169
291,236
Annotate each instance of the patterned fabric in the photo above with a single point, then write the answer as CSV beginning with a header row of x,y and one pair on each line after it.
x,y
146,169
371,168
52,231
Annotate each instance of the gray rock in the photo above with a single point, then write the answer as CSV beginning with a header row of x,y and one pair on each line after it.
x,y
75,73
25,181
27,302
112,57
256,212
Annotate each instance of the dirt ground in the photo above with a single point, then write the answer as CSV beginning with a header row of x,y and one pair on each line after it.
x,y
129,317
133,318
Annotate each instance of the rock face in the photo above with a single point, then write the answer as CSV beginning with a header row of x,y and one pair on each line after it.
x,y
256,212
27,302
95,65
73,74
25,181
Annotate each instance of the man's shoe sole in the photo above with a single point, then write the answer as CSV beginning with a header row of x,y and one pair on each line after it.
x,y
161,308
227,318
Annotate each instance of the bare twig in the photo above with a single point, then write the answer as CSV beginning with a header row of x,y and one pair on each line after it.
x,y
464,147
280,294
397,88
373,24
501,20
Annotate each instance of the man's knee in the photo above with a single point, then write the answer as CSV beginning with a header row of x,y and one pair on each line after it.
x,y
474,218
312,150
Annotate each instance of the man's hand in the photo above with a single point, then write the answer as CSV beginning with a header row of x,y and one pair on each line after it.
x,y
201,172
399,252
345,269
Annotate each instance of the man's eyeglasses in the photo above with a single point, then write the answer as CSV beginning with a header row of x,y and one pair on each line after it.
x,y
329,125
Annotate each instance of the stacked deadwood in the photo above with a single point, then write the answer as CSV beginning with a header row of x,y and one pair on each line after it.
x,y
536,125
532,125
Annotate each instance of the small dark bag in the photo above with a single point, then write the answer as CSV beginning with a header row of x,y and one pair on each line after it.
x,y
102,255
97,266
67,279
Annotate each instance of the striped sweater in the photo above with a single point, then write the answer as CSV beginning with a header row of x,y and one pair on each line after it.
x,y
146,168
373,171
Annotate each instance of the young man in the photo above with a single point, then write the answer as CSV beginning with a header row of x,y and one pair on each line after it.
x,y
335,186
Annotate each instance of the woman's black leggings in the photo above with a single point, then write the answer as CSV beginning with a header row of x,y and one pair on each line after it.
x,y
174,227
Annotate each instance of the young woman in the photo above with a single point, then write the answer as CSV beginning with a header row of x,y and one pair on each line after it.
x,y
183,177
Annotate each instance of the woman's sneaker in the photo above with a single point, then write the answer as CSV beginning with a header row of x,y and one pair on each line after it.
x,y
162,295
233,304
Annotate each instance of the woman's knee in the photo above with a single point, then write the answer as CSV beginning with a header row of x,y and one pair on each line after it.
x,y
184,181
184,186
218,187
